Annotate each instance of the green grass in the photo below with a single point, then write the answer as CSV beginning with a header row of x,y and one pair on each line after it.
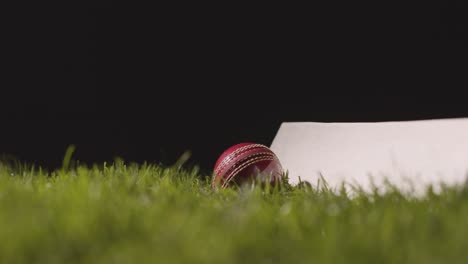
x,y
129,213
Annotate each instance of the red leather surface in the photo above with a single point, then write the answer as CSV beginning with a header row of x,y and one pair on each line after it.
x,y
243,161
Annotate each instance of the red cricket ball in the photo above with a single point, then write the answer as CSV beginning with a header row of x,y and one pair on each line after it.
x,y
244,162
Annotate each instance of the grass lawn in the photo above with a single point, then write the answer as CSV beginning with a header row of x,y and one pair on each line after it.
x,y
142,213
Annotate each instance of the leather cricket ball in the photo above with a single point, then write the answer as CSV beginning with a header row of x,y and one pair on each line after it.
x,y
245,162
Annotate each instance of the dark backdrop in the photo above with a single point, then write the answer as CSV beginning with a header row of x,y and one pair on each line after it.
x,y
151,84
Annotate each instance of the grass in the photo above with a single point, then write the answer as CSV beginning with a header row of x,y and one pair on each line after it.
x,y
143,213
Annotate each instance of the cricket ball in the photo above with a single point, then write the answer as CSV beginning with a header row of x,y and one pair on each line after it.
x,y
245,162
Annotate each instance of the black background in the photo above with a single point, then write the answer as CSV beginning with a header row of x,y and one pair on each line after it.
x,y
148,84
